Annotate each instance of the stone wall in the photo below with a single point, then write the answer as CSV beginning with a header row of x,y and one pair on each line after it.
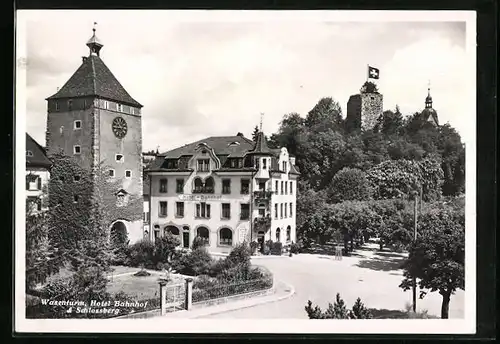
x,y
363,110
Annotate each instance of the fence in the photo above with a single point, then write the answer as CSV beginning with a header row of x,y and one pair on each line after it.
x,y
230,289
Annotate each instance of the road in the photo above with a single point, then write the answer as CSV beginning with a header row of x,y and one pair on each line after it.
x,y
371,275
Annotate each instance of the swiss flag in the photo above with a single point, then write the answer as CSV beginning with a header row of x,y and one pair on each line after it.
x,y
373,73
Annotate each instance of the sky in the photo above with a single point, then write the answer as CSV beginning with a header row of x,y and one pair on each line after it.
x,y
213,73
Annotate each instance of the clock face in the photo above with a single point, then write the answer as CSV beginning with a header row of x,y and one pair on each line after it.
x,y
119,127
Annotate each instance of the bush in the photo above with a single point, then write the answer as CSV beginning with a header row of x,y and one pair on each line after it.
x,y
239,255
277,248
197,262
254,245
197,243
338,310
294,248
151,255
267,247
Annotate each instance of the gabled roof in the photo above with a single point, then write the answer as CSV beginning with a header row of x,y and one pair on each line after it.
x,y
93,78
39,157
430,115
232,146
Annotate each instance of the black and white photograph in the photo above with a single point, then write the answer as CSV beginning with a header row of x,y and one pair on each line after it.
x,y
245,171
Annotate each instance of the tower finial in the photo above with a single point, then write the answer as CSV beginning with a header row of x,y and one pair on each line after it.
x,y
94,44
261,117
93,29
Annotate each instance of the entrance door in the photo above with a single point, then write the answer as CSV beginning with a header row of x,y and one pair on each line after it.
x,y
185,239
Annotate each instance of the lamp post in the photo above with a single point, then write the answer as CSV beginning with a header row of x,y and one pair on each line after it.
x,y
415,212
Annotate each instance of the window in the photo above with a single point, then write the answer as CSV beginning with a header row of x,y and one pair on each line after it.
x,y
111,173
282,187
131,109
77,125
281,210
264,164
203,210
226,186
163,208
198,185
278,234
119,157
284,166
106,104
85,103
75,198
276,211
226,237
128,173
291,188
291,209
226,210
163,185
209,185
284,206
256,163
262,186
203,234
70,105
33,182
276,188
245,186
245,211
119,107
286,188
240,163
179,206
179,185
57,105
76,178
288,233
29,153
262,212
120,200
145,216
77,150
233,163
203,165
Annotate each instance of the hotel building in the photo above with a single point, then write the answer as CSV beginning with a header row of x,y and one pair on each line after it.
x,y
225,190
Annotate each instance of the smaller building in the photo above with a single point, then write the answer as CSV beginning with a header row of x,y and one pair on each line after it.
x,y
37,175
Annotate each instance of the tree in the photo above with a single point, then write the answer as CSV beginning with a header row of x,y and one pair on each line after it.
x,y
437,257
369,87
338,310
390,122
349,184
255,133
326,114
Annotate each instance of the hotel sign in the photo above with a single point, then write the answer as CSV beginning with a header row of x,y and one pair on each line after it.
x,y
200,198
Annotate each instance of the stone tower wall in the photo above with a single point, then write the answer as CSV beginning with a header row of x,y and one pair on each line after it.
x,y
371,109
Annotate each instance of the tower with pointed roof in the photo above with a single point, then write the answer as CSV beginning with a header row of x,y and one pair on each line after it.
x,y
93,119
429,114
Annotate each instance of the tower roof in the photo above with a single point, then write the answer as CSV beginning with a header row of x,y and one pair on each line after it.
x,y
261,145
93,78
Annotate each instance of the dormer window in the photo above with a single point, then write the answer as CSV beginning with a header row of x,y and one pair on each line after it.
x,y
29,153
203,165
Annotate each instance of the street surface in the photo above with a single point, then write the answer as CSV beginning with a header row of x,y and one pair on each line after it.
x,y
371,275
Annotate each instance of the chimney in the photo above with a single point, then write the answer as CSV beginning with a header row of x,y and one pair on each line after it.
x,y
84,58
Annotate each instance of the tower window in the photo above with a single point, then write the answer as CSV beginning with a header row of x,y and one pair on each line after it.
x,y
70,105
77,125
75,198
131,110
128,174
119,107
57,105
76,178
111,173
77,150
119,157
106,104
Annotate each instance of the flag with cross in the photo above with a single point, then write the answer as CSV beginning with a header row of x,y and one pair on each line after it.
x,y
373,73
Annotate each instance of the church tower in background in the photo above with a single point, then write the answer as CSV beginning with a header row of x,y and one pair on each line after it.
x,y
93,119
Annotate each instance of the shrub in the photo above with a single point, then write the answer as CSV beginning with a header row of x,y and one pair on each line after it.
x,y
254,245
141,253
239,255
338,310
142,273
277,248
294,248
150,255
197,262
197,243
267,247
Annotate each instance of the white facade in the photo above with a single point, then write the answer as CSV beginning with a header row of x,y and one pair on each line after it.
x,y
225,217
37,180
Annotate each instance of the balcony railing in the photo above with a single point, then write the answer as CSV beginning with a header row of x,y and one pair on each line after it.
x,y
202,190
262,195
262,222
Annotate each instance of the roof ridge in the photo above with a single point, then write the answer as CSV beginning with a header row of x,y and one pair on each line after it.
x,y
94,76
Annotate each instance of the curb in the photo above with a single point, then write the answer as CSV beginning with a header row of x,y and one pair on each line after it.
x,y
288,295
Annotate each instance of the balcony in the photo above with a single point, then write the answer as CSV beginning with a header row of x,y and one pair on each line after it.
x,y
262,195
262,223
203,190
